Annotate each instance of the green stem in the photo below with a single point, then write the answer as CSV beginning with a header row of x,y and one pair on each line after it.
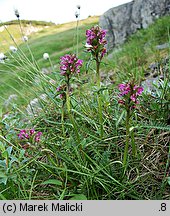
x,y
134,151
70,115
127,140
98,73
99,100
100,115
77,35
62,121
75,128
68,94
52,66
28,47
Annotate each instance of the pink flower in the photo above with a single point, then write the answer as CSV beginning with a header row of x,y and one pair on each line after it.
x,y
37,139
103,52
59,88
61,96
32,131
38,136
27,136
62,91
124,88
133,97
121,102
95,41
139,90
70,64
129,92
20,136
22,131
96,35
23,135
39,133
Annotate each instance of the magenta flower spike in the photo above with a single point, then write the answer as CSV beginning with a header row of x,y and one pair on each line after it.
x,y
38,136
70,64
129,94
28,136
32,131
95,42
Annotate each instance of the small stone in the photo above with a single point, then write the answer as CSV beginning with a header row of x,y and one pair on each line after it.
x,y
162,46
10,100
45,71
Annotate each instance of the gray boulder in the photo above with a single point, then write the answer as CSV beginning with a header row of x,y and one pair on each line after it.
x,y
124,20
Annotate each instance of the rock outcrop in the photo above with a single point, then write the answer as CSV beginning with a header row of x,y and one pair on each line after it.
x,y
124,20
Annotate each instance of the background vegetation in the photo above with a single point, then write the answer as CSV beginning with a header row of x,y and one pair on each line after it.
x,y
84,166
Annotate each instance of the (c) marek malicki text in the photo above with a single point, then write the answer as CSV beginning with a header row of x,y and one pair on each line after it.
x,y
67,207
60,207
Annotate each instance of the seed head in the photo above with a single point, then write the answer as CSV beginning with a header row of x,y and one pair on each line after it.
x,y
46,56
76,14
25,38
13,49
78,7
17,13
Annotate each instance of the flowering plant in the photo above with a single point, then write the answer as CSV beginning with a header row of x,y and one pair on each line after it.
x,y
30,136
129,94
62,91
96,42
70,64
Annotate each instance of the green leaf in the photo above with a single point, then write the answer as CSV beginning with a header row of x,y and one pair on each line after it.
x,y
2,175
2,148
2,197
168,180
78,197
3,178
120,118
5,154
52,181
3,163
9,150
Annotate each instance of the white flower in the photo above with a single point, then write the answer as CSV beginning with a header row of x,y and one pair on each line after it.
x,y
25,38
88,46
13,49
46,56
2,56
